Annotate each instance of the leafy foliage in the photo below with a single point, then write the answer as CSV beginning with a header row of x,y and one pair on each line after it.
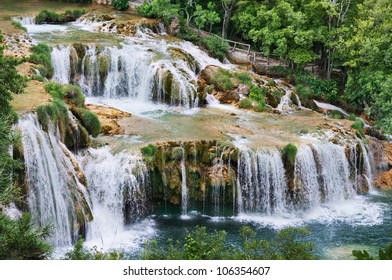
x,y
79,252
21,240
202,245
383,254
159,9
120,5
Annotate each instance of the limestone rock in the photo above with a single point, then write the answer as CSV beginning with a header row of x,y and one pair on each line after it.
x,y
384,180
108,117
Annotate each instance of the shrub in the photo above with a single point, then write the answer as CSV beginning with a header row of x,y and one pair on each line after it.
x,y
56,112
46,16
202,245
271,83
244,78
245,104
41,55
222,78
216,46
120,5
258,94
21,240
336,115
79,252
89,120
358,125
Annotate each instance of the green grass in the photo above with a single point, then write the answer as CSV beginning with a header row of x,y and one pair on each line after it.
x,y
245,104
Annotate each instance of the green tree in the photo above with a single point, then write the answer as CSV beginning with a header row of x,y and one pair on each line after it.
x,y
203,17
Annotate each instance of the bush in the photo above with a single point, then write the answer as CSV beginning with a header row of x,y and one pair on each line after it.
x,y
336,115
358,125
81,253
46,16
120,5
21,240
222,79
89,120
56,112
41,55
244,78
216,46
245,104
202,245
258,94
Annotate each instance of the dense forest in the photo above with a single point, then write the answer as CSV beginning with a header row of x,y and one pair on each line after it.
x,y
349,41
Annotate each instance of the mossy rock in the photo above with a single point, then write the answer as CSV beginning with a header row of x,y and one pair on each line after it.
x,y
176,153
103,65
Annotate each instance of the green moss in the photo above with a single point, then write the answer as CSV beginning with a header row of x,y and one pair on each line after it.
x,y
149,152
289,153
46,16
176,153
89,120
351,117
18,25
103,65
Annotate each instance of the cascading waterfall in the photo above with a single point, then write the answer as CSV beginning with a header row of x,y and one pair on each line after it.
x,y
56,195
261,182
323,173
333,174
306,178
118,186
184,188
163,74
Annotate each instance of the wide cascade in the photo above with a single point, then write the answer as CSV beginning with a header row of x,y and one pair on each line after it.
x,y
56,193
322,173
149,70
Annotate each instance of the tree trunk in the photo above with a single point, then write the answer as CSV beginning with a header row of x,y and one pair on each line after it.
x,y
228,6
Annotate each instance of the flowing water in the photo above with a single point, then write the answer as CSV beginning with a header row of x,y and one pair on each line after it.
x,y
155,78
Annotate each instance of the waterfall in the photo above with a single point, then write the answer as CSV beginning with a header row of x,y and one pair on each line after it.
x,y
323,173
184,189
306,178
28,20
119,193
62,63
56,195
166,74
261,182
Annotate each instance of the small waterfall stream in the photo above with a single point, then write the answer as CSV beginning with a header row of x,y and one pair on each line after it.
x,y
184,188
